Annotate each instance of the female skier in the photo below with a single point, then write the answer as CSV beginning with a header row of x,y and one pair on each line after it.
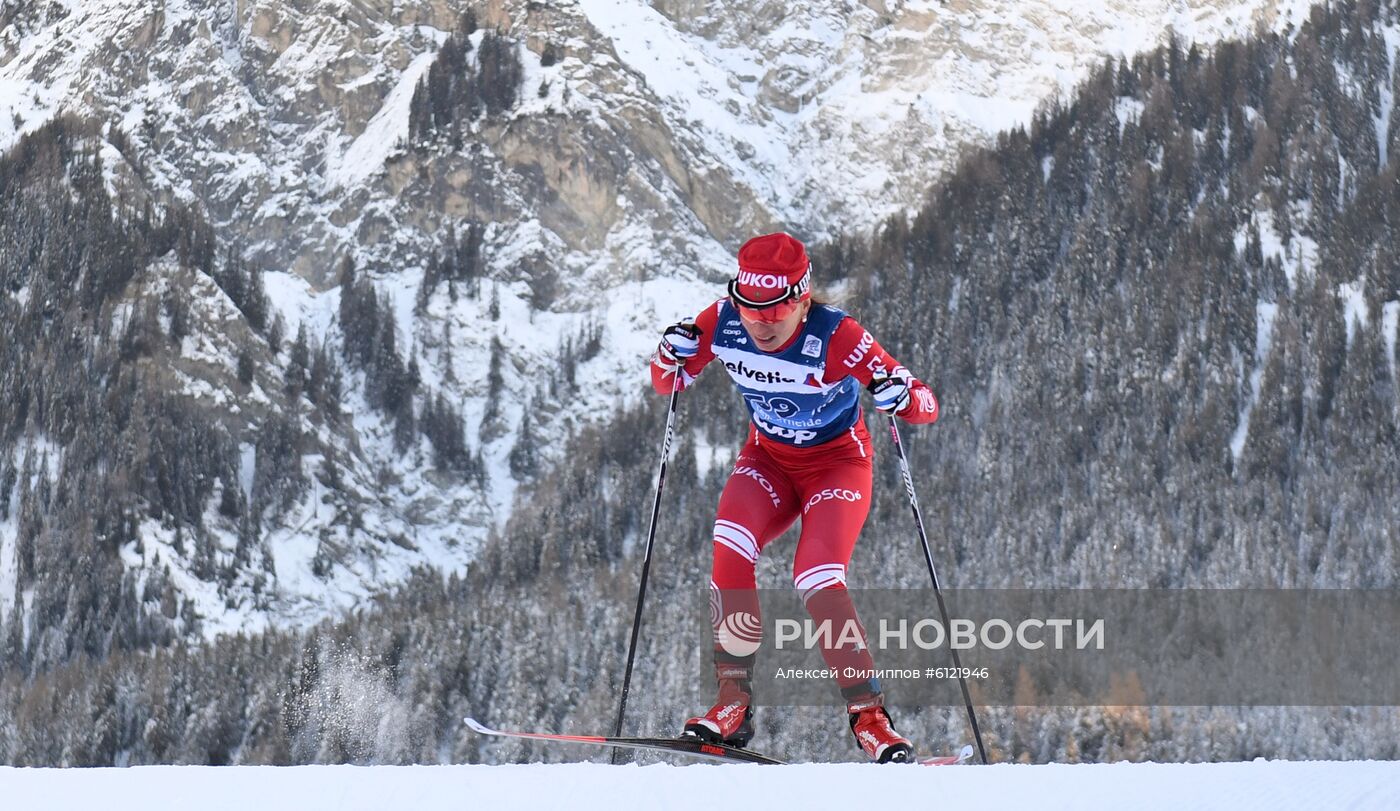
x,y
799,366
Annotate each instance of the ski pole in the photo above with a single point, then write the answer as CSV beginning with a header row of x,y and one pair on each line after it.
x,y
646,557
942,608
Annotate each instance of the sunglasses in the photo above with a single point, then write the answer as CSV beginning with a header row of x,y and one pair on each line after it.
x,y
772,310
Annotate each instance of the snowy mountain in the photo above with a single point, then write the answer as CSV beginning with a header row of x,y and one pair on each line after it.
x,y
641,145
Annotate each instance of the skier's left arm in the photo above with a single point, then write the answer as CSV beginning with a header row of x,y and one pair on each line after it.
x,y
854,352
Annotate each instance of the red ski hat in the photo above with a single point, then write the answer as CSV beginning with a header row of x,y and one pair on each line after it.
x,y
774,275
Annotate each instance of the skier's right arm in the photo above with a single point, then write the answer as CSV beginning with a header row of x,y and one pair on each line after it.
x,y
684,348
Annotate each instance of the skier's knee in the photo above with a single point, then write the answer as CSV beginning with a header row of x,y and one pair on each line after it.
x,y
737,538
813,580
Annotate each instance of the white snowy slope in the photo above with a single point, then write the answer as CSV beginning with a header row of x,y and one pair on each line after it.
x,y
631,167
1271,785
839,114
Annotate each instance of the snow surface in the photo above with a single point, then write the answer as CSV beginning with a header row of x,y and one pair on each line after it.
x,y
385,132
1353,296
582,786
1390,319
1263,341
47,455
1387,92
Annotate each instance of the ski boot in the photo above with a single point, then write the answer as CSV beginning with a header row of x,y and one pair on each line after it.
x,y
874,731
730,720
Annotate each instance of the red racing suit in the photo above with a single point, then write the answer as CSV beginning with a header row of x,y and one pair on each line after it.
x,y
808,455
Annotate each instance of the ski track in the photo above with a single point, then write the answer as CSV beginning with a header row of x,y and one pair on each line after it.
x,y
583,786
